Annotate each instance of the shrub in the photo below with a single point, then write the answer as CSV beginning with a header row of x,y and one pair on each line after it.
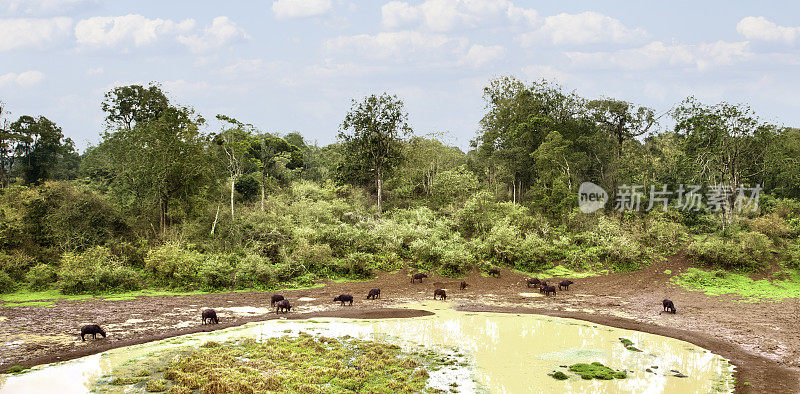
x,y
7,285
174,265
15,264
255,271
95,270
41,277
216,271
747,251
772,226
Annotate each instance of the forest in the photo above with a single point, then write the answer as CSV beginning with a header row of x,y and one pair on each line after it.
x,y
163,202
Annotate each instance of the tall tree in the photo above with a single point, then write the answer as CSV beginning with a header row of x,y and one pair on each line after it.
x,y
125,106
8,146
42,149
158,162
726,142
234,140
372,133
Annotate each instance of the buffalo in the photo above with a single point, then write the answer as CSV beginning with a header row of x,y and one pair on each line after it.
x,y
531,282
374,294
211,316
494,272
440,293
463,285
344,298
418,277
282,305
93,330
275,298
669,306
549,289
564,284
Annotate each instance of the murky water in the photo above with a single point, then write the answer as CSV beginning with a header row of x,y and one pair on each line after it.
x,y
502,353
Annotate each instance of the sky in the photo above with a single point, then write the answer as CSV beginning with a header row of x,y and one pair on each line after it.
x,y
295,65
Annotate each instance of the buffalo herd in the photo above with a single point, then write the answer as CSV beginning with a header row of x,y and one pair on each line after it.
x,y
282,305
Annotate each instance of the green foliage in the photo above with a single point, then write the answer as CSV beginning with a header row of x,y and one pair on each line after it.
x,y
173,265
747,251
95,270
722,282
7,285
41,277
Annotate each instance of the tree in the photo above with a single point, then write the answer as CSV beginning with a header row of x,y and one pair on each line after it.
x,y
622,122
158,163
725,141
235,142
126,106
9,141
42,149
372,133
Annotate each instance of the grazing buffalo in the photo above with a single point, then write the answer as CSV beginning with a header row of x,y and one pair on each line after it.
x,y
344,298
93,330
374,294
463,285
275,298
418,277
531,282
669,306
440,293
211,316
282,305
549,289
494,272
564,284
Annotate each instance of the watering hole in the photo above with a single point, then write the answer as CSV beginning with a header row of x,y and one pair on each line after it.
x,y
485,352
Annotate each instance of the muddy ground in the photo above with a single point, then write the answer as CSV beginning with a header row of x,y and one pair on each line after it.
x,y
762,339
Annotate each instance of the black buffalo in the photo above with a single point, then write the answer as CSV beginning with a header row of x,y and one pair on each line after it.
x,y
531,282
463,285
669,306
374,294
549,289
93,330
440,293
282,305
418,277
275,298
564,284
344,298
211,316
494,272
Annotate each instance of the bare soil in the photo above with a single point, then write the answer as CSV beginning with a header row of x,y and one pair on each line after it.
x,y
761,339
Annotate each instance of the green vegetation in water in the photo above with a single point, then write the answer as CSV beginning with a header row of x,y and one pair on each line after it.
x,y
724,282
558,375
596,370
629,345
16,369
301,364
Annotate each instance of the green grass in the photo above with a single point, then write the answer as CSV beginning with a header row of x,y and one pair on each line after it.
x,y
724,282
561,271
46,304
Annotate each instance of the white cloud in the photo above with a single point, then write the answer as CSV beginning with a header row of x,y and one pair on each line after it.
x,y
402,45
243,66
658,54
480,55
286,9
33,33
448,15
94,71
584,28
123,31
222,32
759,28
25,79
44,7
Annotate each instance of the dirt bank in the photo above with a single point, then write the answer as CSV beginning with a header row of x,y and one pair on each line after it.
x,y
761,338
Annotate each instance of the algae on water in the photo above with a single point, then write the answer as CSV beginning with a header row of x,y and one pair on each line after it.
x,y
596,370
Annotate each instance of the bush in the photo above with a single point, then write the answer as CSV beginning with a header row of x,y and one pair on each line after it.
x,y
254,271
41,277
747,251
15,264
772,226
217,272
171,264
7,285
95,270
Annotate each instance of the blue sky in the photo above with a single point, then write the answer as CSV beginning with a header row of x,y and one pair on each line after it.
x,y
294,65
